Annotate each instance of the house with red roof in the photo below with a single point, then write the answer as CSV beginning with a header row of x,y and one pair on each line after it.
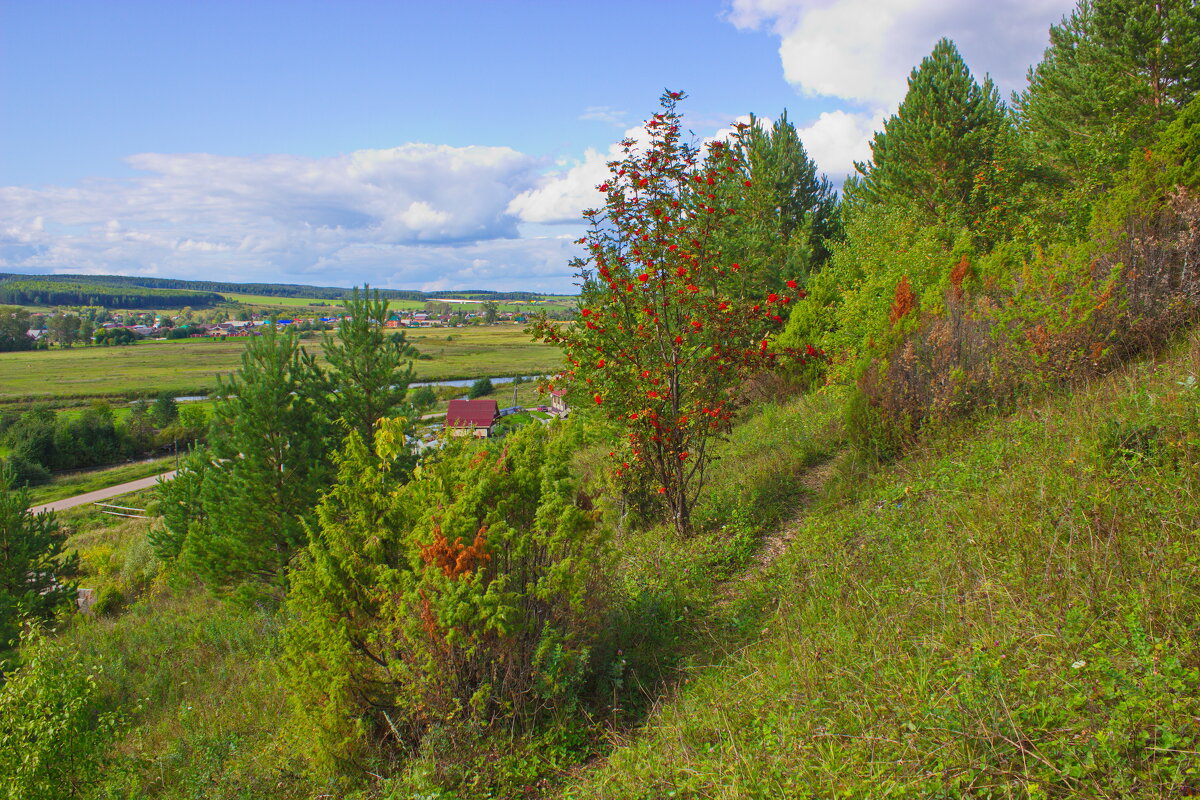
x,y
558,402
472,417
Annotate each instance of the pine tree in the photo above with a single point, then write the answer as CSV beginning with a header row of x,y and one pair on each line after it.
x,y
35,573
942,143
267,465
370,370
1116,71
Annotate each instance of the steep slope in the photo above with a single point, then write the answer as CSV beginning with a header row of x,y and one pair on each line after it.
x,y
1012,612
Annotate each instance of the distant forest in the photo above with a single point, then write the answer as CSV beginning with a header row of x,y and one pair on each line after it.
x,y
138,292
51,292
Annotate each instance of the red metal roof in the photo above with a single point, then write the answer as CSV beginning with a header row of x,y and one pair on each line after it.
x,y
480,413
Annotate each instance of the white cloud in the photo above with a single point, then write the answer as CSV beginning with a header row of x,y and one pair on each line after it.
x,y
407,216
863,50
836,139
563,195
606,114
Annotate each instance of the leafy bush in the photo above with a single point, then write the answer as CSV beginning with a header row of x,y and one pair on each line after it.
x,y
54,739
480,388
983,334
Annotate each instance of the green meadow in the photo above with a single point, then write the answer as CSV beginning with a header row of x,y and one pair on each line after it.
x,y
192,366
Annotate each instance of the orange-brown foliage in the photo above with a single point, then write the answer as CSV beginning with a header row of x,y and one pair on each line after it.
x,y
960,272
455,558
905,301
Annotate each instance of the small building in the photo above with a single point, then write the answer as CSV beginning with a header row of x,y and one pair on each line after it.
x,y
558,402
472,417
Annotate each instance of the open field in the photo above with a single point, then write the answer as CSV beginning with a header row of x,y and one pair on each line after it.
x,y
290,302
192,366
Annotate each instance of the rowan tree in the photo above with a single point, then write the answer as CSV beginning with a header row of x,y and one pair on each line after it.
x,y
668,327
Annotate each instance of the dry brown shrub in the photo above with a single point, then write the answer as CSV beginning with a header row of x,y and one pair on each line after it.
x,y
905,301
454,558
1132,298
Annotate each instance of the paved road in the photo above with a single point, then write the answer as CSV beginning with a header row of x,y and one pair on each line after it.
x,y
105,494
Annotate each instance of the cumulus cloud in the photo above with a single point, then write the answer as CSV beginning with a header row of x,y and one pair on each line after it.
x,y
405,216
836,139
862,52
563,195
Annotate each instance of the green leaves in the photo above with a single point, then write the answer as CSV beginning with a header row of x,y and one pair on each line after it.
x,y
54,737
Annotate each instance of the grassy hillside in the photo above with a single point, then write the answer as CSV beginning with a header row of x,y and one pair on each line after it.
x,y
1011,612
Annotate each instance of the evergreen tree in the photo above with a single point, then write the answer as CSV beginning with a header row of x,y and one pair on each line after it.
x,y
165,410
369,369
1115,72
35,573
267,465
937,152
791,209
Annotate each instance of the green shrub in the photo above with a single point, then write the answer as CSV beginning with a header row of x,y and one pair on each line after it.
x,y
468,595
109,602
54,739
480,388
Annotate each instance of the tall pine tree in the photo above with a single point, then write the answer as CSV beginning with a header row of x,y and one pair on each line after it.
x,y
370,370
791,209
1116,71
935,154
244,515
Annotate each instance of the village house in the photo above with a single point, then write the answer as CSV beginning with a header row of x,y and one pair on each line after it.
x,y
558,402
472,417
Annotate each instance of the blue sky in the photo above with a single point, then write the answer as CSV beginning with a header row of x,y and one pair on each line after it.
x,y
412,145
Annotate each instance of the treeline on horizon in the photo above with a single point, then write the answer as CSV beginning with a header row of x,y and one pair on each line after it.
x,y
75,292
125,291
